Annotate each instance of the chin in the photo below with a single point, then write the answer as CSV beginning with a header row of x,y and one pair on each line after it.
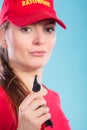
x,y
38,66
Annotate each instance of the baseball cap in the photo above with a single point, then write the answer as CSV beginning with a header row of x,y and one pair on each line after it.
x,y
25,12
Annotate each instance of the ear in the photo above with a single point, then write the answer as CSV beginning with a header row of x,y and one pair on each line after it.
x,y
2,39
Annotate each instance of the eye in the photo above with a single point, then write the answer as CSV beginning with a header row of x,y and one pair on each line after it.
x,y
50,29
25,29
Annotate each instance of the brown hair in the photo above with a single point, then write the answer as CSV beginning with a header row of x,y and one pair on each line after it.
x,y
10,82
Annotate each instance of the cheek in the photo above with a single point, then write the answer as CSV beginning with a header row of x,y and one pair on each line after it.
x,y
14,41
52,43
14,48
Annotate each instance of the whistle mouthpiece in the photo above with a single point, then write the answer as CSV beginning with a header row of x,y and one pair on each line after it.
x,y
36,85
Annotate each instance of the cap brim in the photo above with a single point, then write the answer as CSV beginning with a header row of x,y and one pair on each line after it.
x,y
34,17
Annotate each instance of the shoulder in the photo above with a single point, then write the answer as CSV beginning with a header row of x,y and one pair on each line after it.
x,y
50,91
3,98
52,96
4,108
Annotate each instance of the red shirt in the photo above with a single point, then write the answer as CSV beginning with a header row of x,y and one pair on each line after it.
x,y
8,117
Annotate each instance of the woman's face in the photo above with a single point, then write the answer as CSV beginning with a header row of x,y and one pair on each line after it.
x,y
30,47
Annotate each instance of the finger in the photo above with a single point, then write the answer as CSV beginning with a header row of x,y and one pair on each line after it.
x,y
30,109
28,100
44,118
41,111
37,103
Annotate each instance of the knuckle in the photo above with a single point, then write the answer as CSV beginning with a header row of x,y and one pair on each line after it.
x,y
21,108
43,101
48,115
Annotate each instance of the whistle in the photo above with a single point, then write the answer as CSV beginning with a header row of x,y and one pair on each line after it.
x,y
36,88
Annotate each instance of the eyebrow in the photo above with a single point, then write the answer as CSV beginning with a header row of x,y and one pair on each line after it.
x,y
50,22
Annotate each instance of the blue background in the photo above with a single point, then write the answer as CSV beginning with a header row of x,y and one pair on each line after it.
x,y
66,71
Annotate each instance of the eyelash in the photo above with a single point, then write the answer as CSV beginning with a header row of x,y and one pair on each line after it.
x,y
25,29
50,29
47,29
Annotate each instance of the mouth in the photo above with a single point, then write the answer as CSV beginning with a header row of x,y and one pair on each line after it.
x,y
40,53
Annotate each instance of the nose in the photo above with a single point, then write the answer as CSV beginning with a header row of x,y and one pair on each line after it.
x,y
39,37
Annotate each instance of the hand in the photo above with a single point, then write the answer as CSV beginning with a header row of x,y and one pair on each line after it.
x,y
32,112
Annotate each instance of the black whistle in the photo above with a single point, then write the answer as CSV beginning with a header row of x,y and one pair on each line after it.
x,y
36,85
36,88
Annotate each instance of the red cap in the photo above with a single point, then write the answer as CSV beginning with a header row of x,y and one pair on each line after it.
x,y
24,12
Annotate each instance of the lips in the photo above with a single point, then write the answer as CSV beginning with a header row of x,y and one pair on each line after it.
x,y
39,53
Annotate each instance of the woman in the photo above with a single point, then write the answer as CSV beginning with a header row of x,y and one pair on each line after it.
x,y
27,38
